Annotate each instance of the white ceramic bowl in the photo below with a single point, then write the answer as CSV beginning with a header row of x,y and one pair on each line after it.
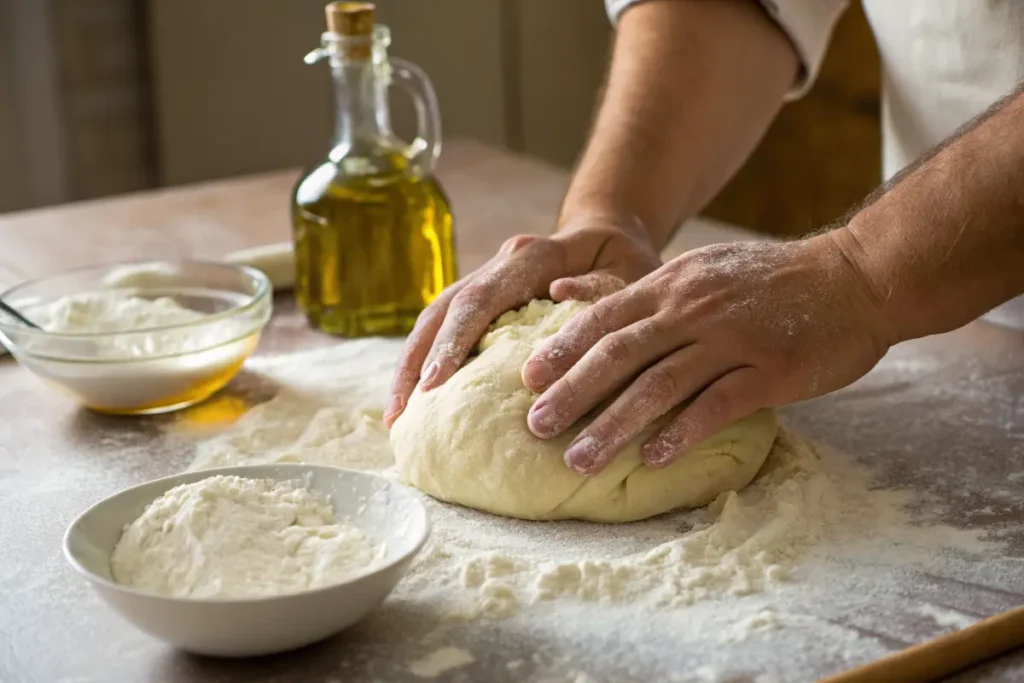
x,y
386,512
133,372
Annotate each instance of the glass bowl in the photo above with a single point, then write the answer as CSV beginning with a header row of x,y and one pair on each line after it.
x,y
152,370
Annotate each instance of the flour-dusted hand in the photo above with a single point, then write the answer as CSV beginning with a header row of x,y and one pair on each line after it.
x,y
589,257
726,329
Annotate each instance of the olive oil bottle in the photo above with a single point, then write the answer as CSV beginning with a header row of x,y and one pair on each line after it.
x,y
372,227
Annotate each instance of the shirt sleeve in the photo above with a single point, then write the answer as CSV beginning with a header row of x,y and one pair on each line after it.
x,y
807,23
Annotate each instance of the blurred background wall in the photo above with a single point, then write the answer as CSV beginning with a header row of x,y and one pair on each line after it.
x,y
100,97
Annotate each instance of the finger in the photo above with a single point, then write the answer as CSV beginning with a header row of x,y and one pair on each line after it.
x,y
563,349
734,396
608,365
655,392
415,350
509,285
589,287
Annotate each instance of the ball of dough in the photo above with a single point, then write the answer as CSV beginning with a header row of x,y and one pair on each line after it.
x,y
467,442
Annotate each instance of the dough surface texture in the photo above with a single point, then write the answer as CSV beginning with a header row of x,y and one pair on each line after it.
x,y
467,442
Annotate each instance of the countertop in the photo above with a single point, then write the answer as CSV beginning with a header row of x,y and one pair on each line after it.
x,y
944,415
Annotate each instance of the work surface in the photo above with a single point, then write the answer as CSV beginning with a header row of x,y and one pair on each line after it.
x,y
943,417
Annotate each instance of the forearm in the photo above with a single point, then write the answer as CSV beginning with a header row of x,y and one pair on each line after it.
x,y
692,87
944,242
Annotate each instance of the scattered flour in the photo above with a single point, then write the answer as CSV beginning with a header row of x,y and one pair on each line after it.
x,y
758,622
773,560
440,661
232,537
943,616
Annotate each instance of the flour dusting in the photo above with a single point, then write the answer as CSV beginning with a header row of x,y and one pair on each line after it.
x,y
758,569
440,661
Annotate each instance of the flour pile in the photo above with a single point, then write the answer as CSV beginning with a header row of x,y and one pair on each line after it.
x,y
233,537
106,312
116,312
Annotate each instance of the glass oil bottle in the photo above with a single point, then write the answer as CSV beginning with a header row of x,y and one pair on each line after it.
x,y
372,227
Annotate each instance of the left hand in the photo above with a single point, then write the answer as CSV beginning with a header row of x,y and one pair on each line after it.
x,y
590,256
726,330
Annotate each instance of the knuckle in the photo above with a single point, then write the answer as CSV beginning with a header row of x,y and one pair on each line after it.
x,y
616,348
518,243
660,385
427,320
717,404
594,318
567,391
472,295
615,428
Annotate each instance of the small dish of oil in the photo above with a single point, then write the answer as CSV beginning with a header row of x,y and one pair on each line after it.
x,y
134,369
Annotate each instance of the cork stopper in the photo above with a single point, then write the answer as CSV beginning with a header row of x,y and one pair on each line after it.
x,y
353,21
350,18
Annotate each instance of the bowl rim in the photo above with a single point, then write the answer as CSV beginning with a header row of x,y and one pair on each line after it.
x,y
263,291
300,468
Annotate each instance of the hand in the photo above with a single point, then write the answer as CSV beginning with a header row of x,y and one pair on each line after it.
x,y
588,258
726,330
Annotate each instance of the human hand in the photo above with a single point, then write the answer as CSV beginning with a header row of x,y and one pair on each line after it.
x,y
724,330
588,258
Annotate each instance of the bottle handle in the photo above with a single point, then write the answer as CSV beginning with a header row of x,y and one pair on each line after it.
x,y
426,148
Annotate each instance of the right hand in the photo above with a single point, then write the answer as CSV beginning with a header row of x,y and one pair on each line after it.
x,y
590,257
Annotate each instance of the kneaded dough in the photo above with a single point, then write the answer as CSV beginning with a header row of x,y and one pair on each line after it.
x,y
467,442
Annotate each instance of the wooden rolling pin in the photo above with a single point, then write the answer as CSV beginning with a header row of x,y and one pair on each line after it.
x,y
277,261
945,655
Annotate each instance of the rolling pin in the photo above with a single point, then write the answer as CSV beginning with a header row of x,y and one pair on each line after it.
x,y
940,657
276,261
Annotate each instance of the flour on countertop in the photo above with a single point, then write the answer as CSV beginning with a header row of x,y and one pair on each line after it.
x,y
756,567
233,537
440,661
943,616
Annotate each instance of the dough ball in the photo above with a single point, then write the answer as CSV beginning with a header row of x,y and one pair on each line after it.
x,y
467,442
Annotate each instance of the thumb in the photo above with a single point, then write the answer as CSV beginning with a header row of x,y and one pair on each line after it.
x,y
588,287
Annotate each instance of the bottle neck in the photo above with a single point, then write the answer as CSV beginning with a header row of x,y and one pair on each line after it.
x,y
361,109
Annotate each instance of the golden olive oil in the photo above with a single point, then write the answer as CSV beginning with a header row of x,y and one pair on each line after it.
x,y
371,252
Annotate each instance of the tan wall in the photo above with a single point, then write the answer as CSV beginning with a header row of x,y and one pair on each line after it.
x,y
13,189
74,116
233,95
101,72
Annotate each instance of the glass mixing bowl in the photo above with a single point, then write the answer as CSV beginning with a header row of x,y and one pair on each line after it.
x,y
152,370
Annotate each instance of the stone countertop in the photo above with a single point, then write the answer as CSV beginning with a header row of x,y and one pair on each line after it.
x,y
944,414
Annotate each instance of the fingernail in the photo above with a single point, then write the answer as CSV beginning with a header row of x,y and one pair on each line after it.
x,y
539,373
541,418
394,408
582,454
430,375
658,454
